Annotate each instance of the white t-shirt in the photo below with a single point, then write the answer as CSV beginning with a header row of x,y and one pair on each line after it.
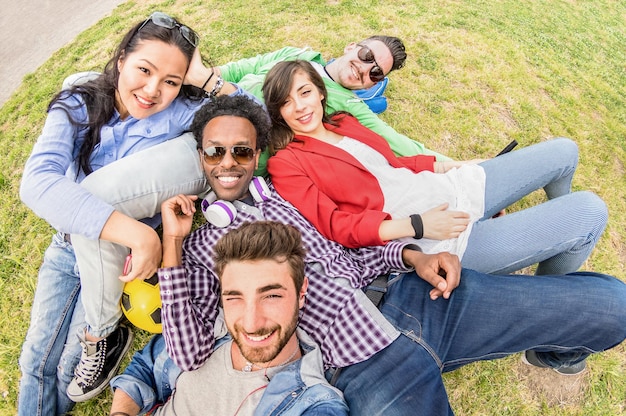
x,y
217,389
406,192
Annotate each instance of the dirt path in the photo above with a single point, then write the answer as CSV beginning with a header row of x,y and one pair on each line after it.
x,y
31,30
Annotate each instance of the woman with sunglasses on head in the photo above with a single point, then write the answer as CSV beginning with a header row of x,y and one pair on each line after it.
x,y
147,94
344,178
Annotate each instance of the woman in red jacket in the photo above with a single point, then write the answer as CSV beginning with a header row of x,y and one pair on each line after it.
x,y
345,179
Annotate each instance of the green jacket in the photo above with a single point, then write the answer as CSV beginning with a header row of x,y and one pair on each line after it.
x,y
250,73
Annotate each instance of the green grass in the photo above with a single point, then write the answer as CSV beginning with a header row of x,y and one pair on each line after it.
x,y
479,74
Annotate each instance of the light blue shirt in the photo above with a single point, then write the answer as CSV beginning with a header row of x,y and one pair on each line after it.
x,y
50,184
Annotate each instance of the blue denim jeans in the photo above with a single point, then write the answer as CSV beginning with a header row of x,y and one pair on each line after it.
x,y
559,234
565,318
51,349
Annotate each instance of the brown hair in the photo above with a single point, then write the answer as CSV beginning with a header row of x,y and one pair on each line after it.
x,y
262,240
276,88
395,46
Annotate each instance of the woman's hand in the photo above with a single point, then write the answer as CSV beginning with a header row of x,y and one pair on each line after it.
x,y
441,224
198,75
142,240
443,167
146,256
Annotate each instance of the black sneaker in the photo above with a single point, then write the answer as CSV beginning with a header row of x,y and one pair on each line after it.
x,y
530,358
98,364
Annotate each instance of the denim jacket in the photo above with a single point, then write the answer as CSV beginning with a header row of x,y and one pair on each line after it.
x,y
299,389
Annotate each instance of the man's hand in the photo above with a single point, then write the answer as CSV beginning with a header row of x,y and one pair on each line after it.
x,y
177,215
442,270
441,224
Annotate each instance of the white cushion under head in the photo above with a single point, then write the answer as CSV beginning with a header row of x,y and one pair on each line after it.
x,y
79,78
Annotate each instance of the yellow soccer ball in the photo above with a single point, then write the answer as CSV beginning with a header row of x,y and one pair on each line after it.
x,y
141,303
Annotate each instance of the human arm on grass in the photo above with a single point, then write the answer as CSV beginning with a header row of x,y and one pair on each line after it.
x,y
236,71
201,76
45,187
123,405
342,99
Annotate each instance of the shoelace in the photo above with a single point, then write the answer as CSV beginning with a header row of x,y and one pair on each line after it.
x,y
90,366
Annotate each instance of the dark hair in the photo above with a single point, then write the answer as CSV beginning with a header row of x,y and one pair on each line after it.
x,y
99,94
237,106
395,46
262,240
276,88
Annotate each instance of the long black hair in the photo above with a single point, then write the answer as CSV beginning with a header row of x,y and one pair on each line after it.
x,y
99,94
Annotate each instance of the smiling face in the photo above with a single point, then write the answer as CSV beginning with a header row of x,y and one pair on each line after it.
x,y
352,73
261,307
302,110
229,179
150,79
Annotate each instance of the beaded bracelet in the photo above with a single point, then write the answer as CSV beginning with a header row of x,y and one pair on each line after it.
x,y
217,87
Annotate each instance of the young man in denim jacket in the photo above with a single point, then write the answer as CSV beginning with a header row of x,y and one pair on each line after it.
x,y
264,366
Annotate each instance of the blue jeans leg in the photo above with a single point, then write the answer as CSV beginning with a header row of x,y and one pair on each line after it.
x,y
403,379
51,349
492,316
549,165
565,317
558,234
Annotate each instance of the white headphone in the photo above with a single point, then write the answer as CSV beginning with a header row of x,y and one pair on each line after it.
x,y
221,213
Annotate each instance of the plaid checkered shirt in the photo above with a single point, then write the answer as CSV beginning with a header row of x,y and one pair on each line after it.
x,y
337,315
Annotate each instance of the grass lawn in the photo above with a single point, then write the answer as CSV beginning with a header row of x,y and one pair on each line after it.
x,y
479,74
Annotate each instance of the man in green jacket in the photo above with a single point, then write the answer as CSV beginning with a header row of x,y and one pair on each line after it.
x,y
360,67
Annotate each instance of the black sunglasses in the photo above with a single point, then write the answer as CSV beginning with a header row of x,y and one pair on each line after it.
x,y
163,20
366,55
213,155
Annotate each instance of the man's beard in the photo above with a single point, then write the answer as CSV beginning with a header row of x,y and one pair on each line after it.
x,y
266,354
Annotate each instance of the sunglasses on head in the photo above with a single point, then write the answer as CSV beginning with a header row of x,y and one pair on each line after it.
x,y
213,155
366,55
163,20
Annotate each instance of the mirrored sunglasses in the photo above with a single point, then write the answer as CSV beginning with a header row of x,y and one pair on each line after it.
x,y
163,20
366,55
213,155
